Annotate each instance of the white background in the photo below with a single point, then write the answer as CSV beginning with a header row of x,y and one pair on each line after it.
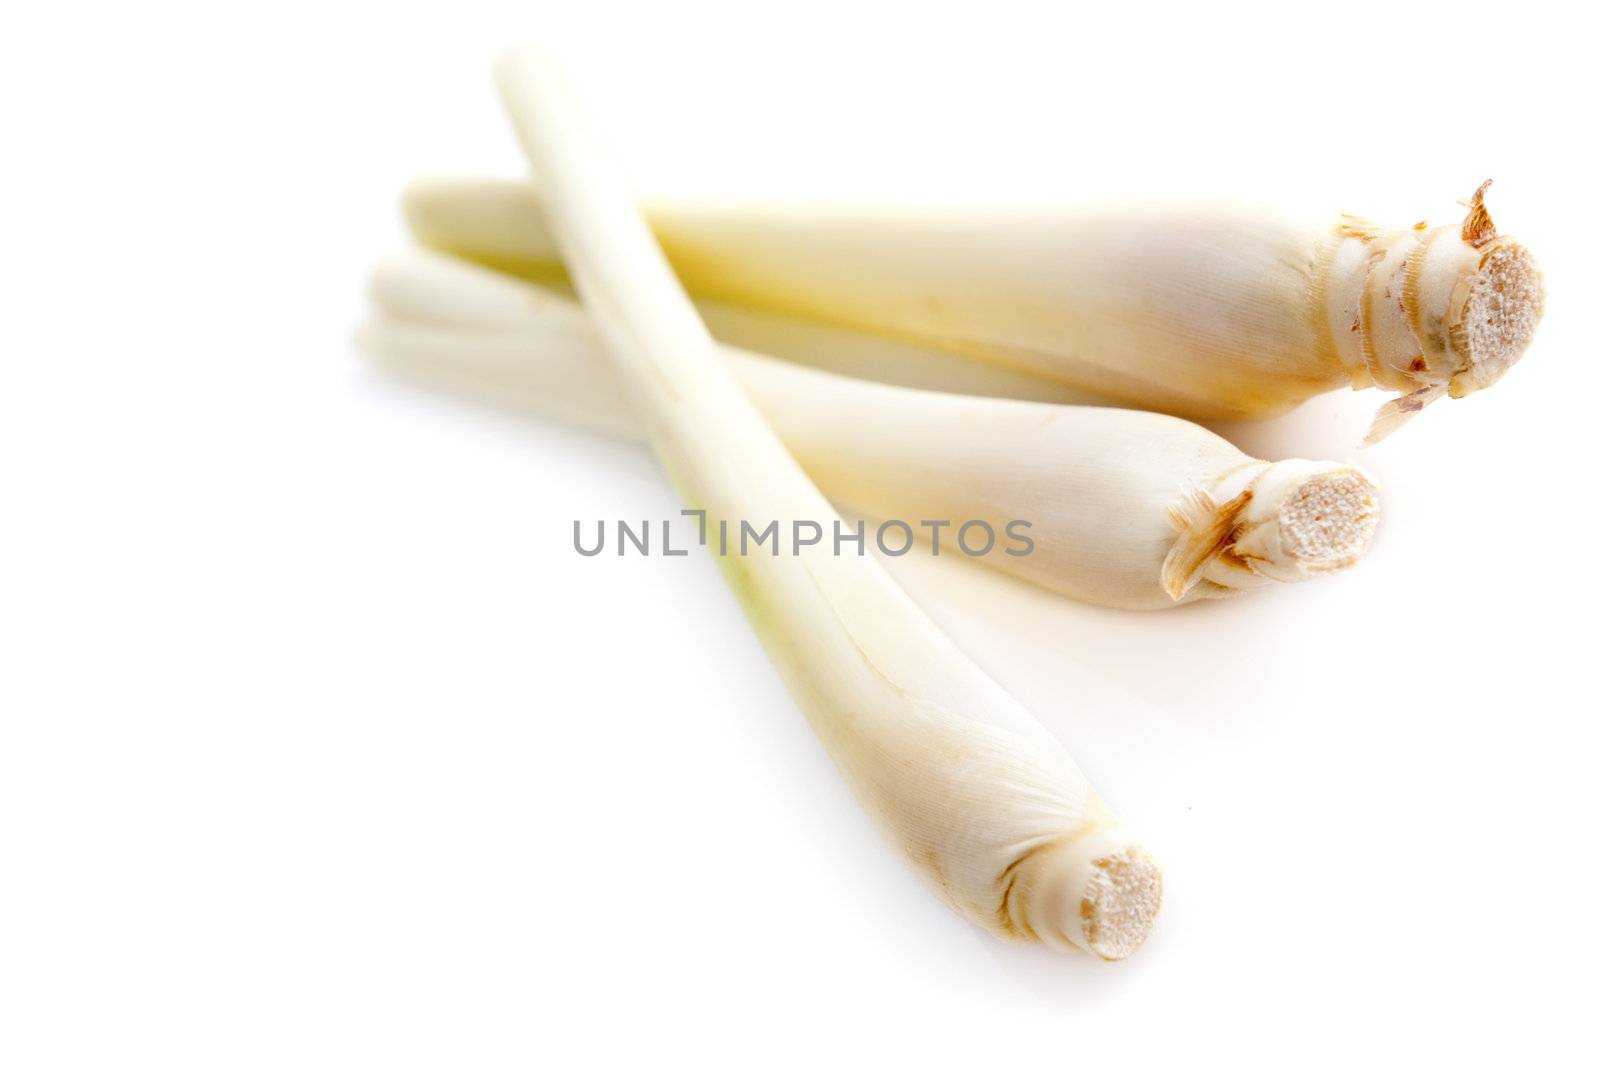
x,y
318,743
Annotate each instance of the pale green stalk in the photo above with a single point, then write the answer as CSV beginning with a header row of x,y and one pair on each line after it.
x,y
977,793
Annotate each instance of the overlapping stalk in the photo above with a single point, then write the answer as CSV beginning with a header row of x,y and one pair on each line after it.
x,y
1128,509
1207,311
976,792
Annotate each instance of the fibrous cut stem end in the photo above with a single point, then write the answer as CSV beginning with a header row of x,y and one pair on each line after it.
x,y
1101,894
1272,522
1500,311
1329,521
1120,903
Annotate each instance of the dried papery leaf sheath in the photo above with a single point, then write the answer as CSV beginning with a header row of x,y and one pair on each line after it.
x,y
1210,311
1128,509
972,788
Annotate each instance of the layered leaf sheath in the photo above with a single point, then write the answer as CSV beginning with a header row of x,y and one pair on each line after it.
x,y
1209,311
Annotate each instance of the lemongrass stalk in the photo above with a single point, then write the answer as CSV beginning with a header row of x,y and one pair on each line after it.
x,y
1208,311
979,795
1127,509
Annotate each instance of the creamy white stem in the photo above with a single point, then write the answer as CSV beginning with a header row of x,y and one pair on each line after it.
x,y
1210,311
977,793
1108,494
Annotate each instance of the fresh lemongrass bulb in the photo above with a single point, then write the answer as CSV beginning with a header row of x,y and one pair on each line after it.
x,y
972,788
1209,311
1128,509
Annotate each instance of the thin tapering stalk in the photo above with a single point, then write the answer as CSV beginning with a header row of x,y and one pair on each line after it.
x,y
975,791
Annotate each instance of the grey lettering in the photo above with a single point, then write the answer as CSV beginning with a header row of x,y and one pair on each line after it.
x,y
800,542
577,542
904,548
859,537
746,532
961,537
1024,539
626,534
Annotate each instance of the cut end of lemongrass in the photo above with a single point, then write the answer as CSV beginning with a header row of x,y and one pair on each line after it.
x,y
1431,312
1495,306
1287,522
1501,304
1100,894
1120,903
1305,518
1327,522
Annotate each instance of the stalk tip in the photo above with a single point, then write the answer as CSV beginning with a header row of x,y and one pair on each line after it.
x,y
1327,523
1499,310
1272,522
1286,522
1433,312
1119,903
1100,893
